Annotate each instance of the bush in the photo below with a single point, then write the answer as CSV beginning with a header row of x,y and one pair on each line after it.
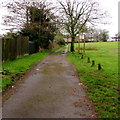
x,y
59,38
61,42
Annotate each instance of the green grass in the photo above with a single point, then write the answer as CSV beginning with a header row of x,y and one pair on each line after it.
x,y
102,85
17,67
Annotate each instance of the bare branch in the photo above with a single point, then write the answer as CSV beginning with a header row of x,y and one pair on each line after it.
x,y
77,14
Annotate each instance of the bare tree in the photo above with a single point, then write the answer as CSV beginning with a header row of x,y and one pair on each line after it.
x,y
78,13
19,12
99,35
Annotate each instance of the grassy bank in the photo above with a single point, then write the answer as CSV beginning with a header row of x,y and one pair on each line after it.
x,y
102,85
14,69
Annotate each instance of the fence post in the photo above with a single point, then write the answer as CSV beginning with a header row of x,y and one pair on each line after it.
x,y
99,67
82,57
93,63
88,60
0,55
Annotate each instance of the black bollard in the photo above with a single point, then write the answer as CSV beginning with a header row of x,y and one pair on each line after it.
x,y
82,57
99,67
88,60
93,63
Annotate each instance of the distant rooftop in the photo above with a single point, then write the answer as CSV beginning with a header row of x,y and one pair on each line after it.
x,y
1,35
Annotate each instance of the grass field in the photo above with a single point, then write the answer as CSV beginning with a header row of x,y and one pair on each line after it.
x,y
14,69
102,85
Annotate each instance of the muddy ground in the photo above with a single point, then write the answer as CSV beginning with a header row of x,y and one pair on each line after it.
x,y
51,89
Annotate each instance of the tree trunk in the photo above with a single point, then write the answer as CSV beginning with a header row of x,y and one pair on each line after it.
x,y
27,15
84,45
72,44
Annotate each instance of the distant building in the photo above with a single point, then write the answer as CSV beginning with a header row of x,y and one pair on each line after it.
x,y
113,39
68,39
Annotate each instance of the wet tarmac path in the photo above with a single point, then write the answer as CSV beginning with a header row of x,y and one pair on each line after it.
x,y
50,90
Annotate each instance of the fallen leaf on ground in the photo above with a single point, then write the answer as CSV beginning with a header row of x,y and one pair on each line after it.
x,y
77,104
73,89
75,94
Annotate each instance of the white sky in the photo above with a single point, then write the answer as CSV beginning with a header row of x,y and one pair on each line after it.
x,y
110,5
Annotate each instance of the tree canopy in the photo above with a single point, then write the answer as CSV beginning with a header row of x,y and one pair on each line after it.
x,y
39,20
77,14
39,26
33,19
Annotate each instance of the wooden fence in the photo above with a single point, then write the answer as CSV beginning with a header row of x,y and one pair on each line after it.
x,y
13,48
0,53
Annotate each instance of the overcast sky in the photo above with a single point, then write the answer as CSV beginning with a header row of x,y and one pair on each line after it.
x,y
110,5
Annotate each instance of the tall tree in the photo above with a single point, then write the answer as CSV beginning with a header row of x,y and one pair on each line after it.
x,y
33,18
19,12
100,35
104,35
76,14
39,27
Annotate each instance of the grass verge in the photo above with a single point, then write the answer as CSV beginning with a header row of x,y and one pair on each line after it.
x,y
102,85
14,69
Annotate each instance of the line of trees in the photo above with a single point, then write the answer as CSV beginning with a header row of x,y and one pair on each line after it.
x,y
40,20
97,35
33,19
